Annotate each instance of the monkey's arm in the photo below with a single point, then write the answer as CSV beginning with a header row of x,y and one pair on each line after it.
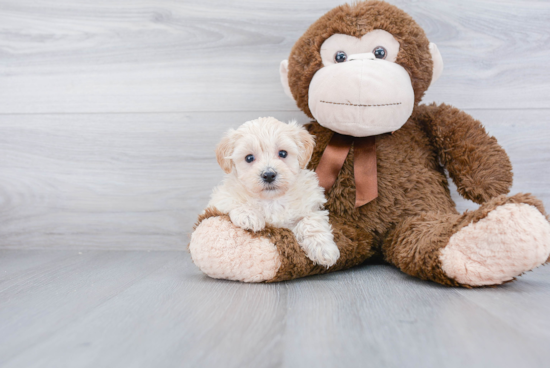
x,y
478,165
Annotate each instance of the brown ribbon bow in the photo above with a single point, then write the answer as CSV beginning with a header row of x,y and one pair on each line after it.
x,y
364,165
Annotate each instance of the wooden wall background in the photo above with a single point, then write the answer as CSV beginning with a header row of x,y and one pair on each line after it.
x,y
110,109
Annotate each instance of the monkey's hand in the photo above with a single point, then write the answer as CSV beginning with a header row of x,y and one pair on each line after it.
x,y
478,165
247,218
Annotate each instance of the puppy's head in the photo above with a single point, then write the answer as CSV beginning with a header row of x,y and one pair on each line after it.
x,y
266,155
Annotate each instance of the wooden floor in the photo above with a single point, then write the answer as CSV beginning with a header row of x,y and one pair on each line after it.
x,y
109,117
155,309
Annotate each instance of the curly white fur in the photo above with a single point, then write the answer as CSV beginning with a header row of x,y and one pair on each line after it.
x,y
294,200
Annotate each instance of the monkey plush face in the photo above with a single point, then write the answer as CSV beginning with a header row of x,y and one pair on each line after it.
x,y
361,69
360,89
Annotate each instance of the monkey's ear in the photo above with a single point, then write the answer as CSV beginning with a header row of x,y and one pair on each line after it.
x,y
224,150
437,61
283,71
305,142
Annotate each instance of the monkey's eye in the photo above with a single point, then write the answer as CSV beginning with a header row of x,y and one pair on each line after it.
x,y
340,56
283,154
249,158
379,52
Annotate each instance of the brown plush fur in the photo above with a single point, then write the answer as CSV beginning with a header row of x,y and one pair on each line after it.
x,y
414,216
354,244
414,244
461,142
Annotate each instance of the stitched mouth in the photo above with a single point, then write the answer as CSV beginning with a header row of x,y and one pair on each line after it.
x,y
360,105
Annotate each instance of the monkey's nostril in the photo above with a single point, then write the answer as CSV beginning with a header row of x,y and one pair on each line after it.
x,y
269,176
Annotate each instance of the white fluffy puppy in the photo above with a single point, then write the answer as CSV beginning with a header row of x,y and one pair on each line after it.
x,y
267,183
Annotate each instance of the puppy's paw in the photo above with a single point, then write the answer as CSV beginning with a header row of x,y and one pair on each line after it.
x,y
314,235
325,254
247,219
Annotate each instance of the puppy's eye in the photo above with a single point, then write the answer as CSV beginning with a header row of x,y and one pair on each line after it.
x,y
379,52
283,154
340,56
249,158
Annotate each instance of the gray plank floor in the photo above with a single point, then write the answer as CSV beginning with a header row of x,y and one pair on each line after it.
x,y
155,309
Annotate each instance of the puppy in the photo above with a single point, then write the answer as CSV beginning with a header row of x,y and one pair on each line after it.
x,y
267,183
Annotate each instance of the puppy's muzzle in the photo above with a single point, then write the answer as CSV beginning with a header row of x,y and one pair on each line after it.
x,y
269,176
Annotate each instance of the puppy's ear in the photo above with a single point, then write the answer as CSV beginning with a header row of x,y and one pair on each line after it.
x,y
224,150
305,142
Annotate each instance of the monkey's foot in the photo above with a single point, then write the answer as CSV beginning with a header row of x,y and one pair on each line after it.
x,y
512,239
224,251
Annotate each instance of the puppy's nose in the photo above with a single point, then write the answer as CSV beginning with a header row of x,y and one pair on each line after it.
x,y
269,176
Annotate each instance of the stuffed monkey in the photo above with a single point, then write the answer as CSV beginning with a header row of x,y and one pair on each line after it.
x,y
360,72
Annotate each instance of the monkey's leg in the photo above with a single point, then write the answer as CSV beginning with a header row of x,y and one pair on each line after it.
x,y
222,250
504,238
